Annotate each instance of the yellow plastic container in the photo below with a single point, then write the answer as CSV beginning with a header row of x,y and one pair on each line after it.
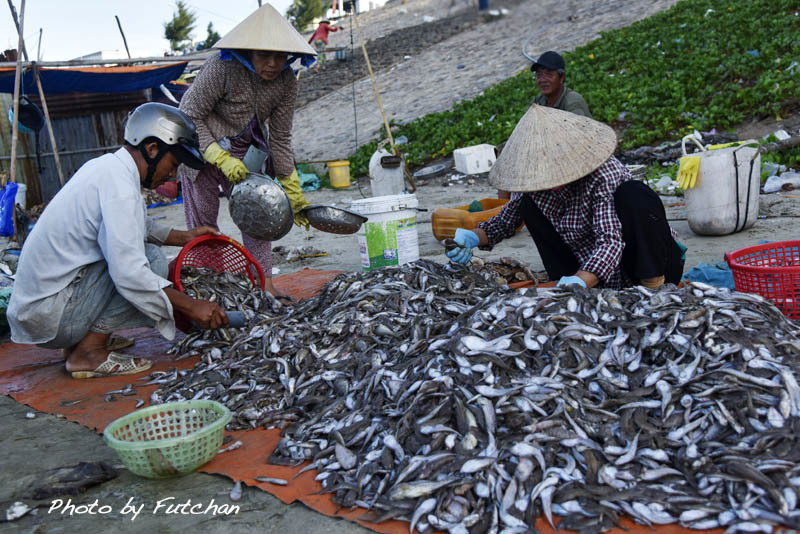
x,y
445,221
339,173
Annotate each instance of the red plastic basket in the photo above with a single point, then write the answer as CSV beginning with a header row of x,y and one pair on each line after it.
x,y
772,270
220,253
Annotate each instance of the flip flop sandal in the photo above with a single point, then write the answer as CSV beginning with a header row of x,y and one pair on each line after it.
x,y
115,365
117,342
287,298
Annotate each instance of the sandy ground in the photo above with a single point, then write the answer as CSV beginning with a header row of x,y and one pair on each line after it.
x,y
31,446
780,224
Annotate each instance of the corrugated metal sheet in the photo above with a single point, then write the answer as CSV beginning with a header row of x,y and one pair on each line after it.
x,y
71,104
87,125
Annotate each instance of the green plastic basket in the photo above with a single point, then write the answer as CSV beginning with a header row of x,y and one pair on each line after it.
x,y
169,439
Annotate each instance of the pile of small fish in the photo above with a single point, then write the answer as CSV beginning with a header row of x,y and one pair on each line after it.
x,y
232,291
427,393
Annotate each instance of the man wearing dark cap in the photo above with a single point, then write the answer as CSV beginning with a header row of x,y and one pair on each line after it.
x,y
550,72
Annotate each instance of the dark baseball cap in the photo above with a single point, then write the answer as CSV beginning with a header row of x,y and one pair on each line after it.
x,y
550,60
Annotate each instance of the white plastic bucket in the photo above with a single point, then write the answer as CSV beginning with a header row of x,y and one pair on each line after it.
x,y
21,196
389,237
725,199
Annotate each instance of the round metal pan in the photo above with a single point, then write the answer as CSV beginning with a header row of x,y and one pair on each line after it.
x,y
334,220
261,208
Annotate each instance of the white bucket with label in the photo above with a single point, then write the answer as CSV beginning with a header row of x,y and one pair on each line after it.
x,y
389,237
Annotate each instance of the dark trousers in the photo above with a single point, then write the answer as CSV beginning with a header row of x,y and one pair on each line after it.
x,y
649,251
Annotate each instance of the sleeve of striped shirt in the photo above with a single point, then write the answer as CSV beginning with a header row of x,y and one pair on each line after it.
x,y
607,252
504,224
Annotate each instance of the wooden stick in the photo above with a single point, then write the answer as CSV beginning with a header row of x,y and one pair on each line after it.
x,y
12,174
123,36
15,127
375,85
66,152
198,56
49,125
41,94
406,173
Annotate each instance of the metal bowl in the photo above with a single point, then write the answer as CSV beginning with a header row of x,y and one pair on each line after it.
x,y
260,208
334,220
431,171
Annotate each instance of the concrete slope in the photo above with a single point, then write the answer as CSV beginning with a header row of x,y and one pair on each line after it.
x,y
394,15
432,81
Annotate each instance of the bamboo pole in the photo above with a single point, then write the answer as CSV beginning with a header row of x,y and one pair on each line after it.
x,y
199,56
12,174
406,173
66,152
56,156
125,41
41,93
374,84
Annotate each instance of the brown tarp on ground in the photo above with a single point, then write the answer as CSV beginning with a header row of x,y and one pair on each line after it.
x,y
36,377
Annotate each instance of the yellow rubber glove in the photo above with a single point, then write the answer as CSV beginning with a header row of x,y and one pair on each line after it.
x,y
233,168
688,171
291,184
723,145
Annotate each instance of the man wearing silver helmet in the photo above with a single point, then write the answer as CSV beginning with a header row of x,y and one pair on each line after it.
x,y
91,265
244,97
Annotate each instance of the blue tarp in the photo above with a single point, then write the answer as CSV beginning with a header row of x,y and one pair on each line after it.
x,y
178,200
94,79
715,274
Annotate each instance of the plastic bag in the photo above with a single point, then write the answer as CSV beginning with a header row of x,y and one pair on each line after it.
x,y
308,181
9,193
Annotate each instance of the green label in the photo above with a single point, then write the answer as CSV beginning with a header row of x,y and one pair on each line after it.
x,y
389,243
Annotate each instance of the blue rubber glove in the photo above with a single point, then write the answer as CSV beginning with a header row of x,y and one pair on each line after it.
x,y
466,241
571,280
683,248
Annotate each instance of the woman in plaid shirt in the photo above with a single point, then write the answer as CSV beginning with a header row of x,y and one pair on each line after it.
x,y
595,228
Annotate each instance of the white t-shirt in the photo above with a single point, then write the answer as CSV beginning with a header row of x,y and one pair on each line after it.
x,y
98,215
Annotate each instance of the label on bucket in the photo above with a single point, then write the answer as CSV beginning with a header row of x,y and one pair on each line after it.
x,y
388,243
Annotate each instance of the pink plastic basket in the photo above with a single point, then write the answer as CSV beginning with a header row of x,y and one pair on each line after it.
x,y
772,270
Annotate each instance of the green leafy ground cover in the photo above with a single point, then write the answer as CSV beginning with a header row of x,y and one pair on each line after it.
x,y
702,64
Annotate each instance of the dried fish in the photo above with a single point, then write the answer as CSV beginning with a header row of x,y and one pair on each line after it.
x,y
270,480
232,447
236,492
430,393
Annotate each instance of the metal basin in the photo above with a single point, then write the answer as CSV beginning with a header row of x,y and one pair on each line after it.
x,y
334,220
260,208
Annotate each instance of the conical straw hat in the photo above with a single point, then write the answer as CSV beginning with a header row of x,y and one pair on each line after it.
x,y
266,29
549,148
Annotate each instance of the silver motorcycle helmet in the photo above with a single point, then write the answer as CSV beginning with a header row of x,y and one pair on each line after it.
x,y
171,128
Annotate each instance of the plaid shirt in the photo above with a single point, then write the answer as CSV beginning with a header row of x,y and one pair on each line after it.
x,y
583,214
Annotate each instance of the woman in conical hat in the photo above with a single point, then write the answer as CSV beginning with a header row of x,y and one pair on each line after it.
x,y
592,224
246,96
